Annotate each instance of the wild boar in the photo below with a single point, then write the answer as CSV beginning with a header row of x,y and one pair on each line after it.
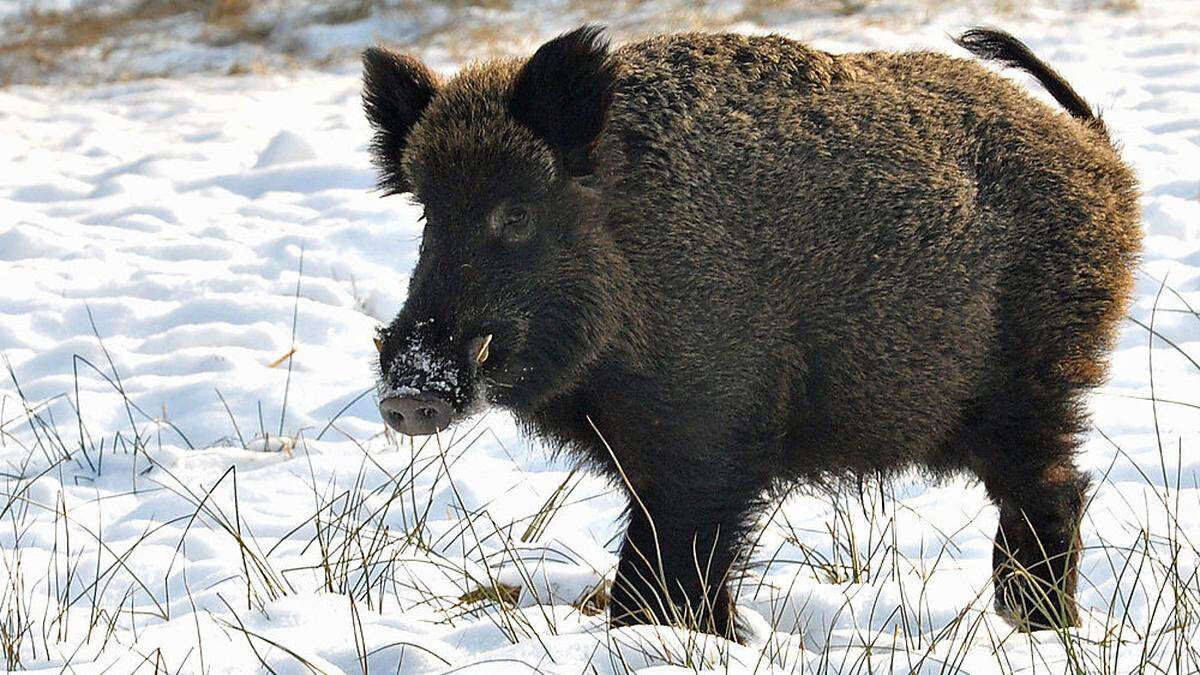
x,y
715,265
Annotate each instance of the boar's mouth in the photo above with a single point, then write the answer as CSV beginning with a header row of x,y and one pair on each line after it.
x,y
421,393
422,390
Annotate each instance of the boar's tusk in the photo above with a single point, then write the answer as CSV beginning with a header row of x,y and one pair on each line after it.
x,y
482,353
378,345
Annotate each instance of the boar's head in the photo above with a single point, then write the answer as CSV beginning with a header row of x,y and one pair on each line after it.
x,y
514,294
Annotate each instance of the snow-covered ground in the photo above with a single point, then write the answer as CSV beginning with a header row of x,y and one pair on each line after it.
x,y
180,490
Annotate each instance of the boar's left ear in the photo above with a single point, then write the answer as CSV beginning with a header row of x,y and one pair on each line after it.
x,y
396,90
563,93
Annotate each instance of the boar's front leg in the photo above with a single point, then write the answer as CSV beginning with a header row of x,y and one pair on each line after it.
x,y
687,527
1036,553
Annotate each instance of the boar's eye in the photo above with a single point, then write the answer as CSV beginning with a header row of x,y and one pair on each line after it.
x,y
512,222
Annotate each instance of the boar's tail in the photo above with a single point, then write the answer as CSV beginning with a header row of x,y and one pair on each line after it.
x,y
996,45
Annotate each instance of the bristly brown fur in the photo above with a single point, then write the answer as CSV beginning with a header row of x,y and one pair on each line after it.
x,y
714,264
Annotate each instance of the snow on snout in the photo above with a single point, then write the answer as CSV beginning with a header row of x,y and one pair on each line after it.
x,y
417,368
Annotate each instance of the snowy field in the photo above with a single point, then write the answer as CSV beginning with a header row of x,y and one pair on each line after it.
x,y
194,477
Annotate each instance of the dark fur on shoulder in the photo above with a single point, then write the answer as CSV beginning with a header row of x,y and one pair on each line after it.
x,y
716,265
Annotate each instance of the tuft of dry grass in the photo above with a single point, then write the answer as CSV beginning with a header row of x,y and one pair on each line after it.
x,y
229,11
44,37
498,593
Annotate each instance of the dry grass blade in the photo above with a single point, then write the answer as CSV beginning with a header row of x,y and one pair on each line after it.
x,y
283,359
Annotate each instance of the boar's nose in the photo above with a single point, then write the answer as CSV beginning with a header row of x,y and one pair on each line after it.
x,y
416,415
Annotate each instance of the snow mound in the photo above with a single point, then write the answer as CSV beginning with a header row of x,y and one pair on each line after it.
x,y
285,147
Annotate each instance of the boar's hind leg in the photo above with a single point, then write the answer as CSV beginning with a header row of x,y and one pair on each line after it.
x,y
678,552
1041,496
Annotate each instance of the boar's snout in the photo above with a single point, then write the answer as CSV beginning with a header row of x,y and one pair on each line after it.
x,y
417,414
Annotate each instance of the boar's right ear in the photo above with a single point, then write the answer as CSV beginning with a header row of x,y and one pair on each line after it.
x,y
396,90
563,93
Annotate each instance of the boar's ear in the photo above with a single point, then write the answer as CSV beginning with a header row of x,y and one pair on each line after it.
x,y
396,90
562,94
